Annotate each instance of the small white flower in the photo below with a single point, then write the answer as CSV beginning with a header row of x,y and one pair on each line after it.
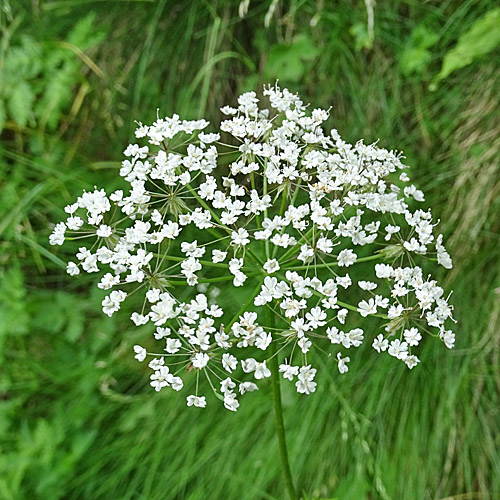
x,y
153,295
140,353
383,271
139,319
200,360
346,258
248,387
262,340
218,256
230,401
229,362
366,308
248,365
367,285
305,383
57,236
261,371
173,345
71,209
380,344
307,373
160,378
354,337
104,231
316,318
334,335
161,333
108,281
344,281
289,371
72,269
342,363
342,315
324,245
443,256
74,223
448,337
240,237
411,361
271,266
305,386
412,336
199,401
175,382
305,344
395,311
228,110
227,385
398,349
155,363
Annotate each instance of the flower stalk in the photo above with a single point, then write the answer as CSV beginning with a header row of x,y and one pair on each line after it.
x,y
278,414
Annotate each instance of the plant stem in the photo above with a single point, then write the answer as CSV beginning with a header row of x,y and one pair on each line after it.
x,y
278,414
211,280
377,256
245,306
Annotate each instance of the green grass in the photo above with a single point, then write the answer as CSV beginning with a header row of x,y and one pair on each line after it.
x,y
77,419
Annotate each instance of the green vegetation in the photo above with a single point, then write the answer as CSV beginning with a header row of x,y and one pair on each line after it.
x,y
77,417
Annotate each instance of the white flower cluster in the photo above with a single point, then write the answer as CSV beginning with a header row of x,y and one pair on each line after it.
x,y
272,211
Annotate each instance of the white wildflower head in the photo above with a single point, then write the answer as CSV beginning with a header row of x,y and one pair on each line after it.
x,y
273,209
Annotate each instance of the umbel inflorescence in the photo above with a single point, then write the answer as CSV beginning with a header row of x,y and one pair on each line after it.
x,y
274,204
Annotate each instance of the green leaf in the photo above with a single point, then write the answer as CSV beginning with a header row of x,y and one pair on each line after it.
x,y
355,485
20,103
57,95
14,318
362,38
3,114
86,32
288,61
416,55
479,40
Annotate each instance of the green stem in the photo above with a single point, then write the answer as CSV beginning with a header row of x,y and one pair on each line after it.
x,y
245,306
257,216
181,259
211,280
278,414
204,263
355,309
284,196
296,192
377,256
283,201
264,188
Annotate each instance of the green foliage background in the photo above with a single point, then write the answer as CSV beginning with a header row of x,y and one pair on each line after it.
x,y
77,419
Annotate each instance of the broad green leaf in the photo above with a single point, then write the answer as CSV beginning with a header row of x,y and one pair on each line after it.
x,y
416,55
288,61
479,40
